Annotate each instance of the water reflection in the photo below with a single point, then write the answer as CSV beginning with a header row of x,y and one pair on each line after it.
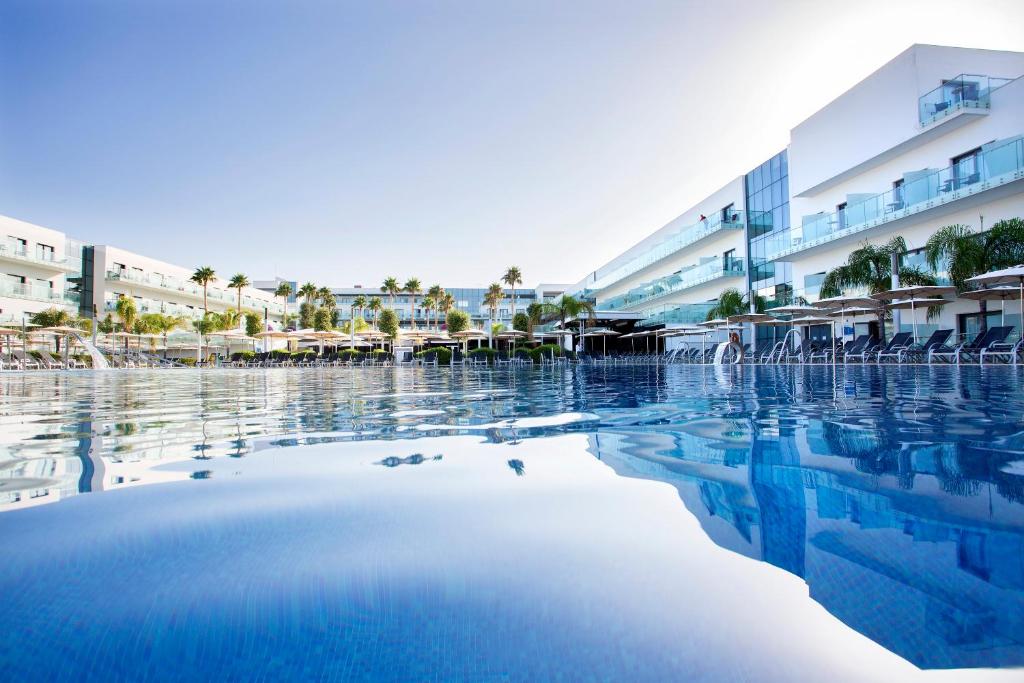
x,y
897,494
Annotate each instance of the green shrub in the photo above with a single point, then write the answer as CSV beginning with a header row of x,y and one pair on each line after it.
x,y
379,351
278,354
456,321
190,362
444,356
247,355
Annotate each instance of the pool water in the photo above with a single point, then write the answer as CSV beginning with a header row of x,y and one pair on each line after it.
x,y
636,523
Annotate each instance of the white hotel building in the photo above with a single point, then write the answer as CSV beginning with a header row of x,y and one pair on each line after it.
x,y
933,137
43,268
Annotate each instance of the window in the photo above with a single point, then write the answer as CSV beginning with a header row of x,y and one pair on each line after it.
x,y
45,252
729,214
841,215
20,246
965,168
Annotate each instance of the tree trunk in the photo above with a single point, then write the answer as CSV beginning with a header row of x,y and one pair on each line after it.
x,y
881,324
983,311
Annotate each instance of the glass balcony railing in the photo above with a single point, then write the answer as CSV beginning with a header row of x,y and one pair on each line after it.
x,y
997,163
682,314
729,220
13,249
38,292
965,91
215,295
676,282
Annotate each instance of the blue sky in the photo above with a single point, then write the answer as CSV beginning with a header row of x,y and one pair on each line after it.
x,y
344,142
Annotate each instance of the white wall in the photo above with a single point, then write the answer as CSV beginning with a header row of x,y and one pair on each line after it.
x,y
881,111
40,275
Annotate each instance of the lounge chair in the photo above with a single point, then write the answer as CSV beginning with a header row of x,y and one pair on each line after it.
x,y
899,341
965,351
25,360
861,351
1011,352
918,352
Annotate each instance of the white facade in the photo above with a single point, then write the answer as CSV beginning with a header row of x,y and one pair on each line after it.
x,y
159,287
38,267
933,137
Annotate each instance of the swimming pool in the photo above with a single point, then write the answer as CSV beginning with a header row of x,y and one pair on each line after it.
x,y
636,523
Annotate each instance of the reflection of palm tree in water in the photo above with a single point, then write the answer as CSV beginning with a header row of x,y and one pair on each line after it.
x,y
518,466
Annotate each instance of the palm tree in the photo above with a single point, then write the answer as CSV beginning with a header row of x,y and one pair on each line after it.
x,y
391,288
229,319
308,291
513,276
203,276
326,297
375,305
237,282
447,304
436,293
429,304
284,290
492,299
126,311
412,288
568,307
870,268
964,253
358,304
730,303
534,317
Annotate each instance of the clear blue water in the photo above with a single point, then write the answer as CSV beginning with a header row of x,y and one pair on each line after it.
x,y
680,523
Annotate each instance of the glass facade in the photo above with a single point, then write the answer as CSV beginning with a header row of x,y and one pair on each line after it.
x,y
767,189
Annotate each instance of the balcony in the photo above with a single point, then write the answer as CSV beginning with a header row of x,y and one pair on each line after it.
x,y
677,282
688,236
11,250
681,314
164,283
965,92
998,163
38,292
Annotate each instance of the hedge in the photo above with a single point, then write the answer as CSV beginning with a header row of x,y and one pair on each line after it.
x,y
483,351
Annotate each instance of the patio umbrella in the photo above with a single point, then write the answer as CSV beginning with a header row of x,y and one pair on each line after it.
x,y
795,309
270,335
1007,276
604,333
912,305
994,293
912,292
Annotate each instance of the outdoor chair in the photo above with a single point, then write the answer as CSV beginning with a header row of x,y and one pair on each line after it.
x,y
861,349
503,359
919,352
967,350
1011,352
899,341
25,360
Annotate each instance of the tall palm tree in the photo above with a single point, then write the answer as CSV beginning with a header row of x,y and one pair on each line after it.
x,y
870,268
492,299
375,305
284,290
126,311
730,302
203,276
513,276
568,307
412,288
326,297
358,304
436,293
308,292
447,304
964,253
391,288
237,282
429,304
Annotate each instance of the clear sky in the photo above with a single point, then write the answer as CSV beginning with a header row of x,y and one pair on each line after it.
x,y
344,142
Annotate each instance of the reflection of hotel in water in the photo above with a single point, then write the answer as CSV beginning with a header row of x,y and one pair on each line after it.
x,y
920,558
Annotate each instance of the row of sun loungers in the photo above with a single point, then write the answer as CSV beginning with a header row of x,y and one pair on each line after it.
x,y
17,359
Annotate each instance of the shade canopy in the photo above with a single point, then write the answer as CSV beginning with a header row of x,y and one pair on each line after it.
x,y
918,302
511,334
61,329
854,312
601,332
810,320
992,293
749,317
1012,275
845,301
6,331
272,334
714,322
471,332
795,309
914,291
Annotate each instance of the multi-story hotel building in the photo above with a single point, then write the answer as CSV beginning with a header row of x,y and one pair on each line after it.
x,y
44,268
934,137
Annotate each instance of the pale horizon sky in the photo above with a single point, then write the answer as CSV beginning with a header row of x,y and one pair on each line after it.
x,y
346,142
